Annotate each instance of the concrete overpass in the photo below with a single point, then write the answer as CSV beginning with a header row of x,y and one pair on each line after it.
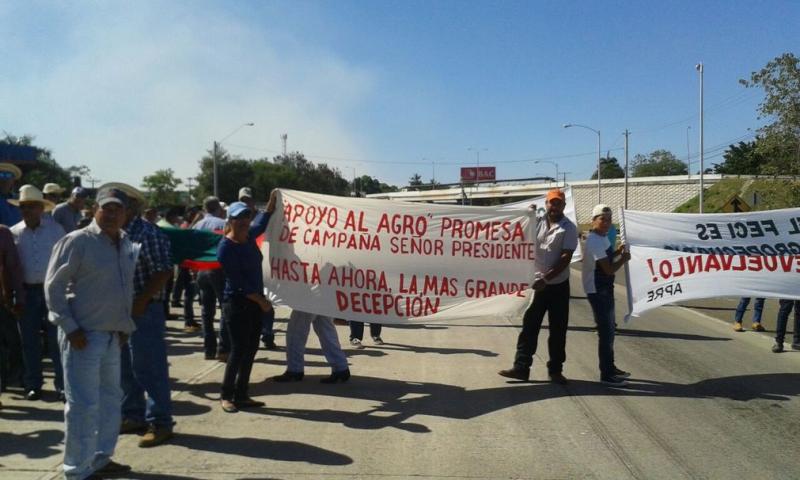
x,y
655,194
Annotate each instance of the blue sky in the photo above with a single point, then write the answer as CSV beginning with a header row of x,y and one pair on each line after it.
x,y
384,88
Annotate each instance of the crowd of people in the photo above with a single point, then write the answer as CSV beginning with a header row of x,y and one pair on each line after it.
x,y
91,282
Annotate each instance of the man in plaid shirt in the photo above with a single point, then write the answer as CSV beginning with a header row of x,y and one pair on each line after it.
x,y
144,360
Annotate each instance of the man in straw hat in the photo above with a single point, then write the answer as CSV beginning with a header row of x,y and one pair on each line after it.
x,y
9,214
53,192
89,291
144,360
35,239
556,240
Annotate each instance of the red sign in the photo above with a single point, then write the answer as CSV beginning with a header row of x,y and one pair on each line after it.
x,y
477,174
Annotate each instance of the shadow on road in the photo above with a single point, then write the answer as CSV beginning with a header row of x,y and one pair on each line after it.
x,y
624,332
261,448
39,444
398,401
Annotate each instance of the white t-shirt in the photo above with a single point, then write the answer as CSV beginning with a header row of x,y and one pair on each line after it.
x,y
594,250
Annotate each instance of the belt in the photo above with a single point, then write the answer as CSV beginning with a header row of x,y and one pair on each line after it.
x,y
31,286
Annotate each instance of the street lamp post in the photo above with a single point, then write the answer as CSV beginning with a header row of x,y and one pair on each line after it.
x,y
688,153
568,125
553,163
216,153
478,153
699,68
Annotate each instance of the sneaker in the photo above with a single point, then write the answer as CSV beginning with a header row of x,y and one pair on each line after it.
x,y
192,328
288,376
558,378
131,426
778,347
377,340
356,343
757,327
613,381
516,373
737,327
621,373
33,395
156,435
270,345
111,469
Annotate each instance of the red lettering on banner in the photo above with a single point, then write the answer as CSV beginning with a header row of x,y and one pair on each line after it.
x,y
386,304
294,270
403,224
695,264
364,279
333,239
488,288
357,225
475,230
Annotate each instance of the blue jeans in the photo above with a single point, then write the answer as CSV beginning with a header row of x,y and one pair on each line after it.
x,y
211,284
33,321
297,335
145,369
91,415
784,310
602,304
183,284
758,308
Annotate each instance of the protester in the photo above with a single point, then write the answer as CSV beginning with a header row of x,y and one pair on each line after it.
x,y
9,214
556,240
12,303
357,333
296,337
244,300
89,291
785,308
35,239
599,265
52,192
144,366
211,284
150,214
758,308
268,319
70,213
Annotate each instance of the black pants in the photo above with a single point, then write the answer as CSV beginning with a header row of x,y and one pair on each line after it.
x,y
553,300
357,330
11,365
244,326
211,284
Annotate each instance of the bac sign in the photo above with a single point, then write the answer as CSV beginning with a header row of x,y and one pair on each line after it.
x,y
477,174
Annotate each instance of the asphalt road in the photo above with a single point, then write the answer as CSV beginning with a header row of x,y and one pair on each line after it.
x,y
704,402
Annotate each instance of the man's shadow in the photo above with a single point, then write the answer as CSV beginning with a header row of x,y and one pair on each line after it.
x,y
397,402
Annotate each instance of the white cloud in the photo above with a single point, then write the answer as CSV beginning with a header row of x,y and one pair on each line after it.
x,y
128,92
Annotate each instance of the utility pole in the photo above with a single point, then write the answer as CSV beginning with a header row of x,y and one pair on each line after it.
x,y
626,167
93,180
284,137
215,152
688,154
189,182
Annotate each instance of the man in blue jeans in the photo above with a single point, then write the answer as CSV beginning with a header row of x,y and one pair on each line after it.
x,y
89,290
35,239
211,284
144,360
786,307
758,309
598,283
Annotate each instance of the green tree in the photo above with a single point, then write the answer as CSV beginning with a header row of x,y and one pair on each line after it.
x,y
779,142
656,164
610,168
415,180
741,159
161,188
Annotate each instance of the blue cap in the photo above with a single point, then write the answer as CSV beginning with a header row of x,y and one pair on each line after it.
x,y
238,210
80,192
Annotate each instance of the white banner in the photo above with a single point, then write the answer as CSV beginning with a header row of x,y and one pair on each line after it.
x,y
394,262
677,257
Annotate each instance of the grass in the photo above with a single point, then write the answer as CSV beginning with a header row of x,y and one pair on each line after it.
x,y
760,194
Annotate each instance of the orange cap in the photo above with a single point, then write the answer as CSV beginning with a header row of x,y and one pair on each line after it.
x,y
556,193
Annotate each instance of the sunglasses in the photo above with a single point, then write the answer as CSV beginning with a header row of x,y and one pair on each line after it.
x,y
6,175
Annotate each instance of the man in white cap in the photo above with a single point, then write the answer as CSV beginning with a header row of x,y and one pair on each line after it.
x,y
9,214
89,291
69,213
35,239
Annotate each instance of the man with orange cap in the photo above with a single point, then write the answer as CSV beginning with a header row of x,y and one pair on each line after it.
x,y
556,240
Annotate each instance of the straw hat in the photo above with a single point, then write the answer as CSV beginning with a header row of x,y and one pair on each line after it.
x,y
29,193
52,188
131,192
11,168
